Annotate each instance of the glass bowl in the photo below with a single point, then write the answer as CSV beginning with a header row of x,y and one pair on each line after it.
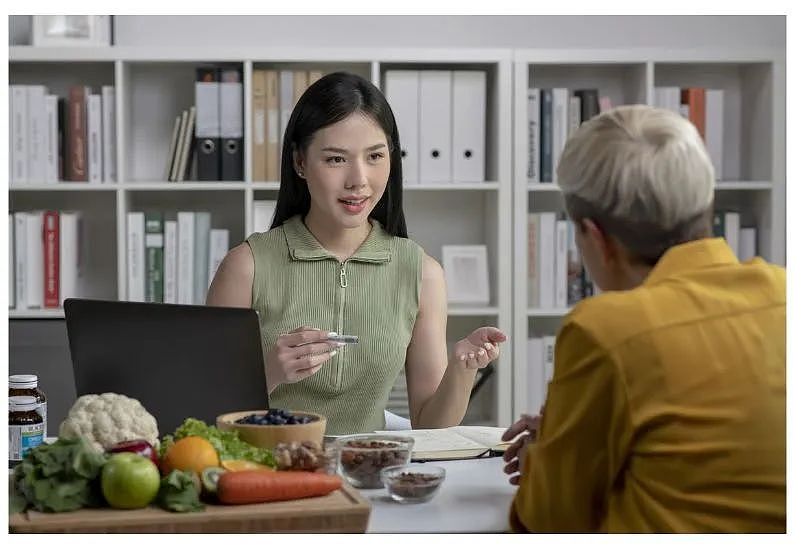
x,y
413,483
361,457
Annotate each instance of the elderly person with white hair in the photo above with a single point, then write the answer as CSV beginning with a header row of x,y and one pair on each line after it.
x,y
666,411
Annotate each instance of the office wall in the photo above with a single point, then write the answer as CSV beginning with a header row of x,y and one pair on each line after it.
x,y
525,31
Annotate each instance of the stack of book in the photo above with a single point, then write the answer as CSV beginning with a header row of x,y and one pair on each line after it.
x,y
275,94
531,383
172,260
44,258
554,115
62,139
556,275
705,109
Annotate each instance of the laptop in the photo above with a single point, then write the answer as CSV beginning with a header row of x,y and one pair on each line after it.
x,y
179,361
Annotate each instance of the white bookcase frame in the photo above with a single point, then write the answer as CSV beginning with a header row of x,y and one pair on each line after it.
x,y
760,191
502,203
478,212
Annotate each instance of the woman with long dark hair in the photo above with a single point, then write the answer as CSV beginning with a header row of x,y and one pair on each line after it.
x,y
337,260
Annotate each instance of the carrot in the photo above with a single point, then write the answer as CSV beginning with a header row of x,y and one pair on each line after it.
x,y
258,486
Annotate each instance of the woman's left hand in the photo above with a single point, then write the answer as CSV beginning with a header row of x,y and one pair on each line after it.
x,y
480,348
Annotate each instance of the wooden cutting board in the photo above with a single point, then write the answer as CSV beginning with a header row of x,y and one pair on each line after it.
x,y
343,510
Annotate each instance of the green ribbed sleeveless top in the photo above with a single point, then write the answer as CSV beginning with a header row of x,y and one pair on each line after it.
x,y
374,294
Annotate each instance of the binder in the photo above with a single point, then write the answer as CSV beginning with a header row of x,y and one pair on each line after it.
x,y
51,110
272,125
286,92
20,260
435,126
231,134
402,92
207,127
259,118
300,84
468,126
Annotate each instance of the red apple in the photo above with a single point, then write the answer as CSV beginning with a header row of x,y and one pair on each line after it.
x,y
139,446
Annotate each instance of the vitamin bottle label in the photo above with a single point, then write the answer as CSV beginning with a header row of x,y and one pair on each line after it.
x,y
42,410
23,438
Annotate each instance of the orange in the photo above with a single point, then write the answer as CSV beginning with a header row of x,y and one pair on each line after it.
x,y
234,465
189,453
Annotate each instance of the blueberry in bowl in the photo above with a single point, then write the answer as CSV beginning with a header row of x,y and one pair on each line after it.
x,y
268,427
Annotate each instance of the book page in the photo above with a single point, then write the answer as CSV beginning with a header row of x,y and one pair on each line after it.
x,y
483,435
441,439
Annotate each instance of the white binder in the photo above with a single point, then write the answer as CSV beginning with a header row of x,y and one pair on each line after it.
x,y
435,126
136,259
468,126
561,105
402,92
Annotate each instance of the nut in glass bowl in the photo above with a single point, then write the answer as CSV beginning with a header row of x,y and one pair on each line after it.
x,y
361,457
413,483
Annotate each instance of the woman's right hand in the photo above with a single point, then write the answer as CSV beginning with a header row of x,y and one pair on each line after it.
x,y
298,355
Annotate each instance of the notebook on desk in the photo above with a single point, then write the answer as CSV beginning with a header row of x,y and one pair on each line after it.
x,y
457,442
177,360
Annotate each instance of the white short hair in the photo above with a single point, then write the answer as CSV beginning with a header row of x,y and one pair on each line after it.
x,y
638,165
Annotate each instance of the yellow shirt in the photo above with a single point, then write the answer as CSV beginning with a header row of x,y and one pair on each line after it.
x,y
666,412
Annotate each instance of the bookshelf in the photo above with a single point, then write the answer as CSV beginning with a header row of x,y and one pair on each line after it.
x,y
493,212
753,181
154,85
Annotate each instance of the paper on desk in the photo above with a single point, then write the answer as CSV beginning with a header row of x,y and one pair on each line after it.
x,y
457,441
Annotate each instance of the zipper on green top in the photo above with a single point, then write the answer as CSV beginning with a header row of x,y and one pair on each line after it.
x,y
340,322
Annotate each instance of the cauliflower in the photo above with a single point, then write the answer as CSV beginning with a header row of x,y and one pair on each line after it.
x,y
106,419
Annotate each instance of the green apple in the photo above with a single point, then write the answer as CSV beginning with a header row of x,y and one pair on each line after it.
x,y
130,481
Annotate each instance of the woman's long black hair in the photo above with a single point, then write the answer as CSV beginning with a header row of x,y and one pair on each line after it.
x,y
329,100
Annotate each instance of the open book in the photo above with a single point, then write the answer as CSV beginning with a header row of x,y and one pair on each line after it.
x,y
458,442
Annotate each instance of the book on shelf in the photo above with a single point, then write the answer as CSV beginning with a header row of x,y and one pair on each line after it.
x,y
533,109
272,126
263,212
218,247
45,258
589,103
172,148
51,259
258,122
456,442
136,257
12,296
747,243
560,99
546,136
694,98
154,256
76,157
170,249
203,225
108,133
37,133
714,130
94,142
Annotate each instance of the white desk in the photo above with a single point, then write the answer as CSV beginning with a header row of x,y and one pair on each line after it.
x,y
475,497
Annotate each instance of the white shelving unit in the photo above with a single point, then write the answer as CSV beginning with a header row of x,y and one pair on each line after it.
x,y
754,143
153,85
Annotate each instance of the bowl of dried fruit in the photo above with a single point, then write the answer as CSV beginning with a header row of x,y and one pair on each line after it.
x,y
413,483
361,457
267,428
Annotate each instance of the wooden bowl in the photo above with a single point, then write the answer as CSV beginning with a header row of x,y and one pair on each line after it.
x,y
269,436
